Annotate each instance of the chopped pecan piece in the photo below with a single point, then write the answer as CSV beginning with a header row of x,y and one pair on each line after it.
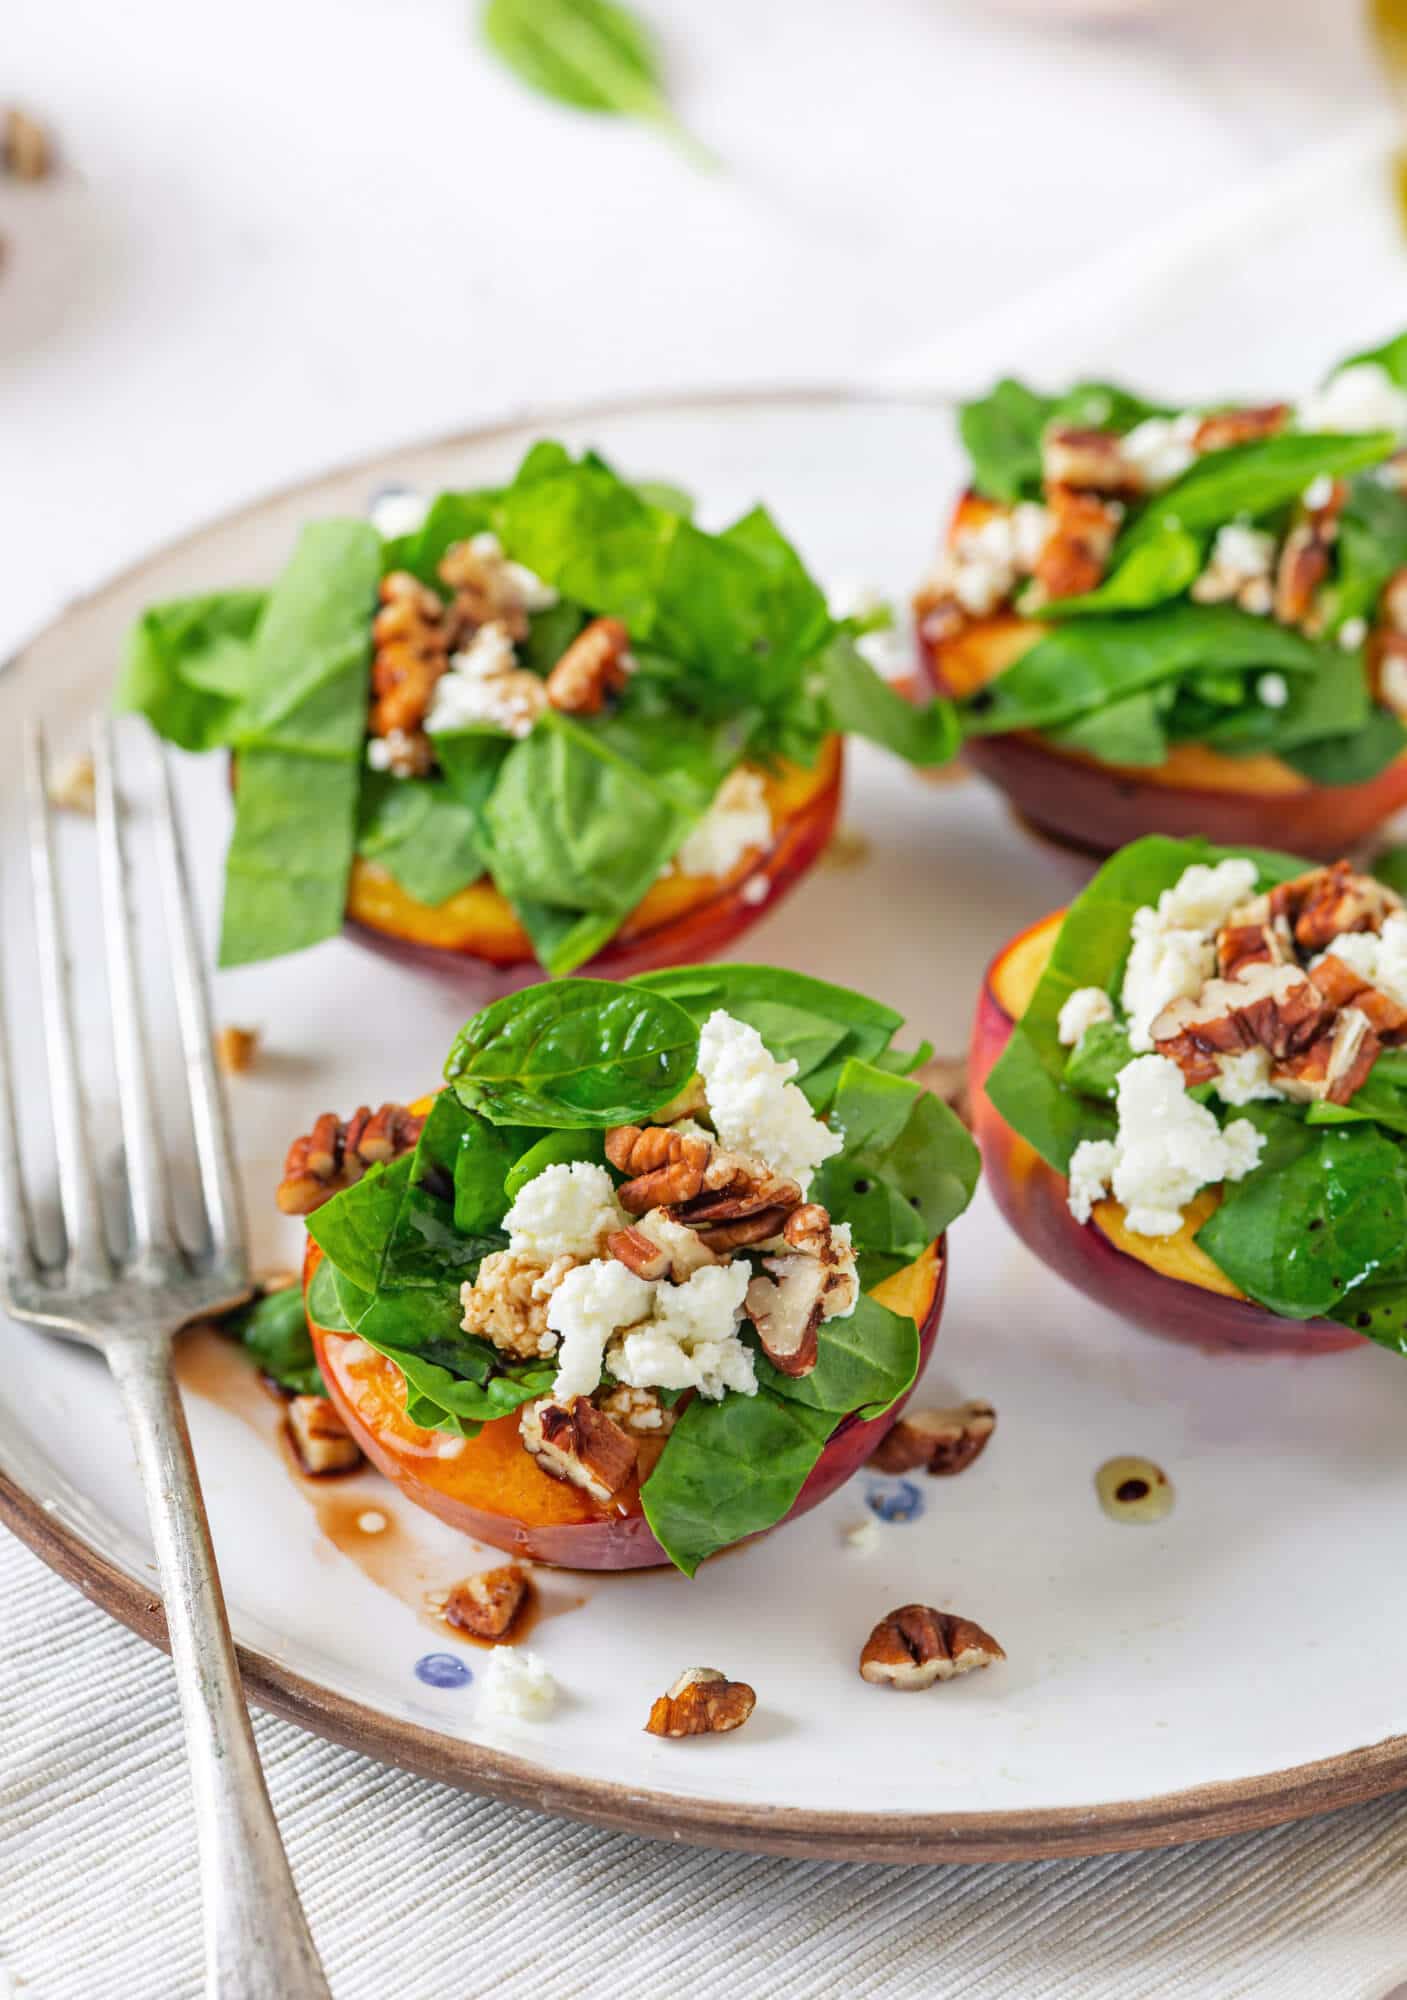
x,y
74,788
577,1443
1335,1064
596,664
735,1186
1343,987
1304,558
1274,1006
664,1166
816,1282
334,1155
486,1605
411,641
320,1439
915,1646
1088,461
235,1049
1252,936
646,1258
1327,902
1228,427
1076,551
943,1442
685,1248
486,590
702,1702
28,154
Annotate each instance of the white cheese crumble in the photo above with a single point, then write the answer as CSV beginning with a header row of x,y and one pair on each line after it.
x,y
1362,397
1392,684
1166,1148
1173,954
1378,958
1318,493
1085,1006
1272,690
1160,449
517,1684
1244,1077
982,567
737,823
691,1342
755,1106
1352,633
484,684
592,1303
862,1536
567,1210
1240,555
527,587
397,511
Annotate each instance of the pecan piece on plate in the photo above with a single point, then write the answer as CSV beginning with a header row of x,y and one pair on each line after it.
x,y
915,1646
485,1605
702,1702
943,1442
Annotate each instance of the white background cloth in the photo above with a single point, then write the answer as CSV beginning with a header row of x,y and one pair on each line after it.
x,y
294,230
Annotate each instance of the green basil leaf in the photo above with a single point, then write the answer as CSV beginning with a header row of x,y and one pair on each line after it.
x,y
594,55
274,1332
1323,1212
579,1052
730,1469
300,734
186,666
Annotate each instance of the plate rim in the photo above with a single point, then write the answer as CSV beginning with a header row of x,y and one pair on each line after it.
x,y
1203,1812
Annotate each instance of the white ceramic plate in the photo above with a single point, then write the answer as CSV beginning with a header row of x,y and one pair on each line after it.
x,y
1242,1661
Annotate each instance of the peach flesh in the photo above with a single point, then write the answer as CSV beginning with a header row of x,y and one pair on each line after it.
x,y
490,1488
1166,1285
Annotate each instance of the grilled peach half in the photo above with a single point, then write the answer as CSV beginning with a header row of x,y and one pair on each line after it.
x,y
683,918
490,1488
1165,1284
1094,808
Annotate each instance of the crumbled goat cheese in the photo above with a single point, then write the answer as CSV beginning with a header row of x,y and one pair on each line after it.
x,y
1167,1147
691,1342
1352,633
1318,493
567,1210
484,684
982,567
527,587
852,597
737,822
1084,1007
397,511
863,1536
1160,449
1362,397
1272,690
518,1685
887,650
1173,954
591,1305
755,1106
1244,1077
1240,556
1379,958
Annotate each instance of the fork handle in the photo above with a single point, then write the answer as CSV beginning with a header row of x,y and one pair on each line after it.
x,y
257,1942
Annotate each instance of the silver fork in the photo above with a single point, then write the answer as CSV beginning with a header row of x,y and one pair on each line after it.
x,y
128,1304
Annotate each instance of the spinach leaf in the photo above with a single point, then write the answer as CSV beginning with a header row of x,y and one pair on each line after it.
x,y
576,827
1379,1312
1352,759
450,518
1391,867
1001,433
420,832
186,666
1255,479
1132,730
1371,546
440,1400
274,1331
803,1020
1094,1063
324,1306
863,1363
299,735
862,703
594,55
1324,1212
554,1149
1324,707
486,1152
353,1229
1392,356
579,1052
730,1469
1163,565
1027,1082
909,1165
1090,662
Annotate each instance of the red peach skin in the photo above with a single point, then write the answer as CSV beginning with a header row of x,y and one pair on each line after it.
x,y
1169,1286
489,1487
1095,808
475,940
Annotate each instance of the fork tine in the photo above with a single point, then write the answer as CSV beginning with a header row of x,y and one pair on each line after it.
x,y
209,1114
88,1261
147,1186
18,1262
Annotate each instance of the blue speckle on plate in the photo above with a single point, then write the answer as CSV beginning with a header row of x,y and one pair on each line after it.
x,y
894,1500
442,1670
